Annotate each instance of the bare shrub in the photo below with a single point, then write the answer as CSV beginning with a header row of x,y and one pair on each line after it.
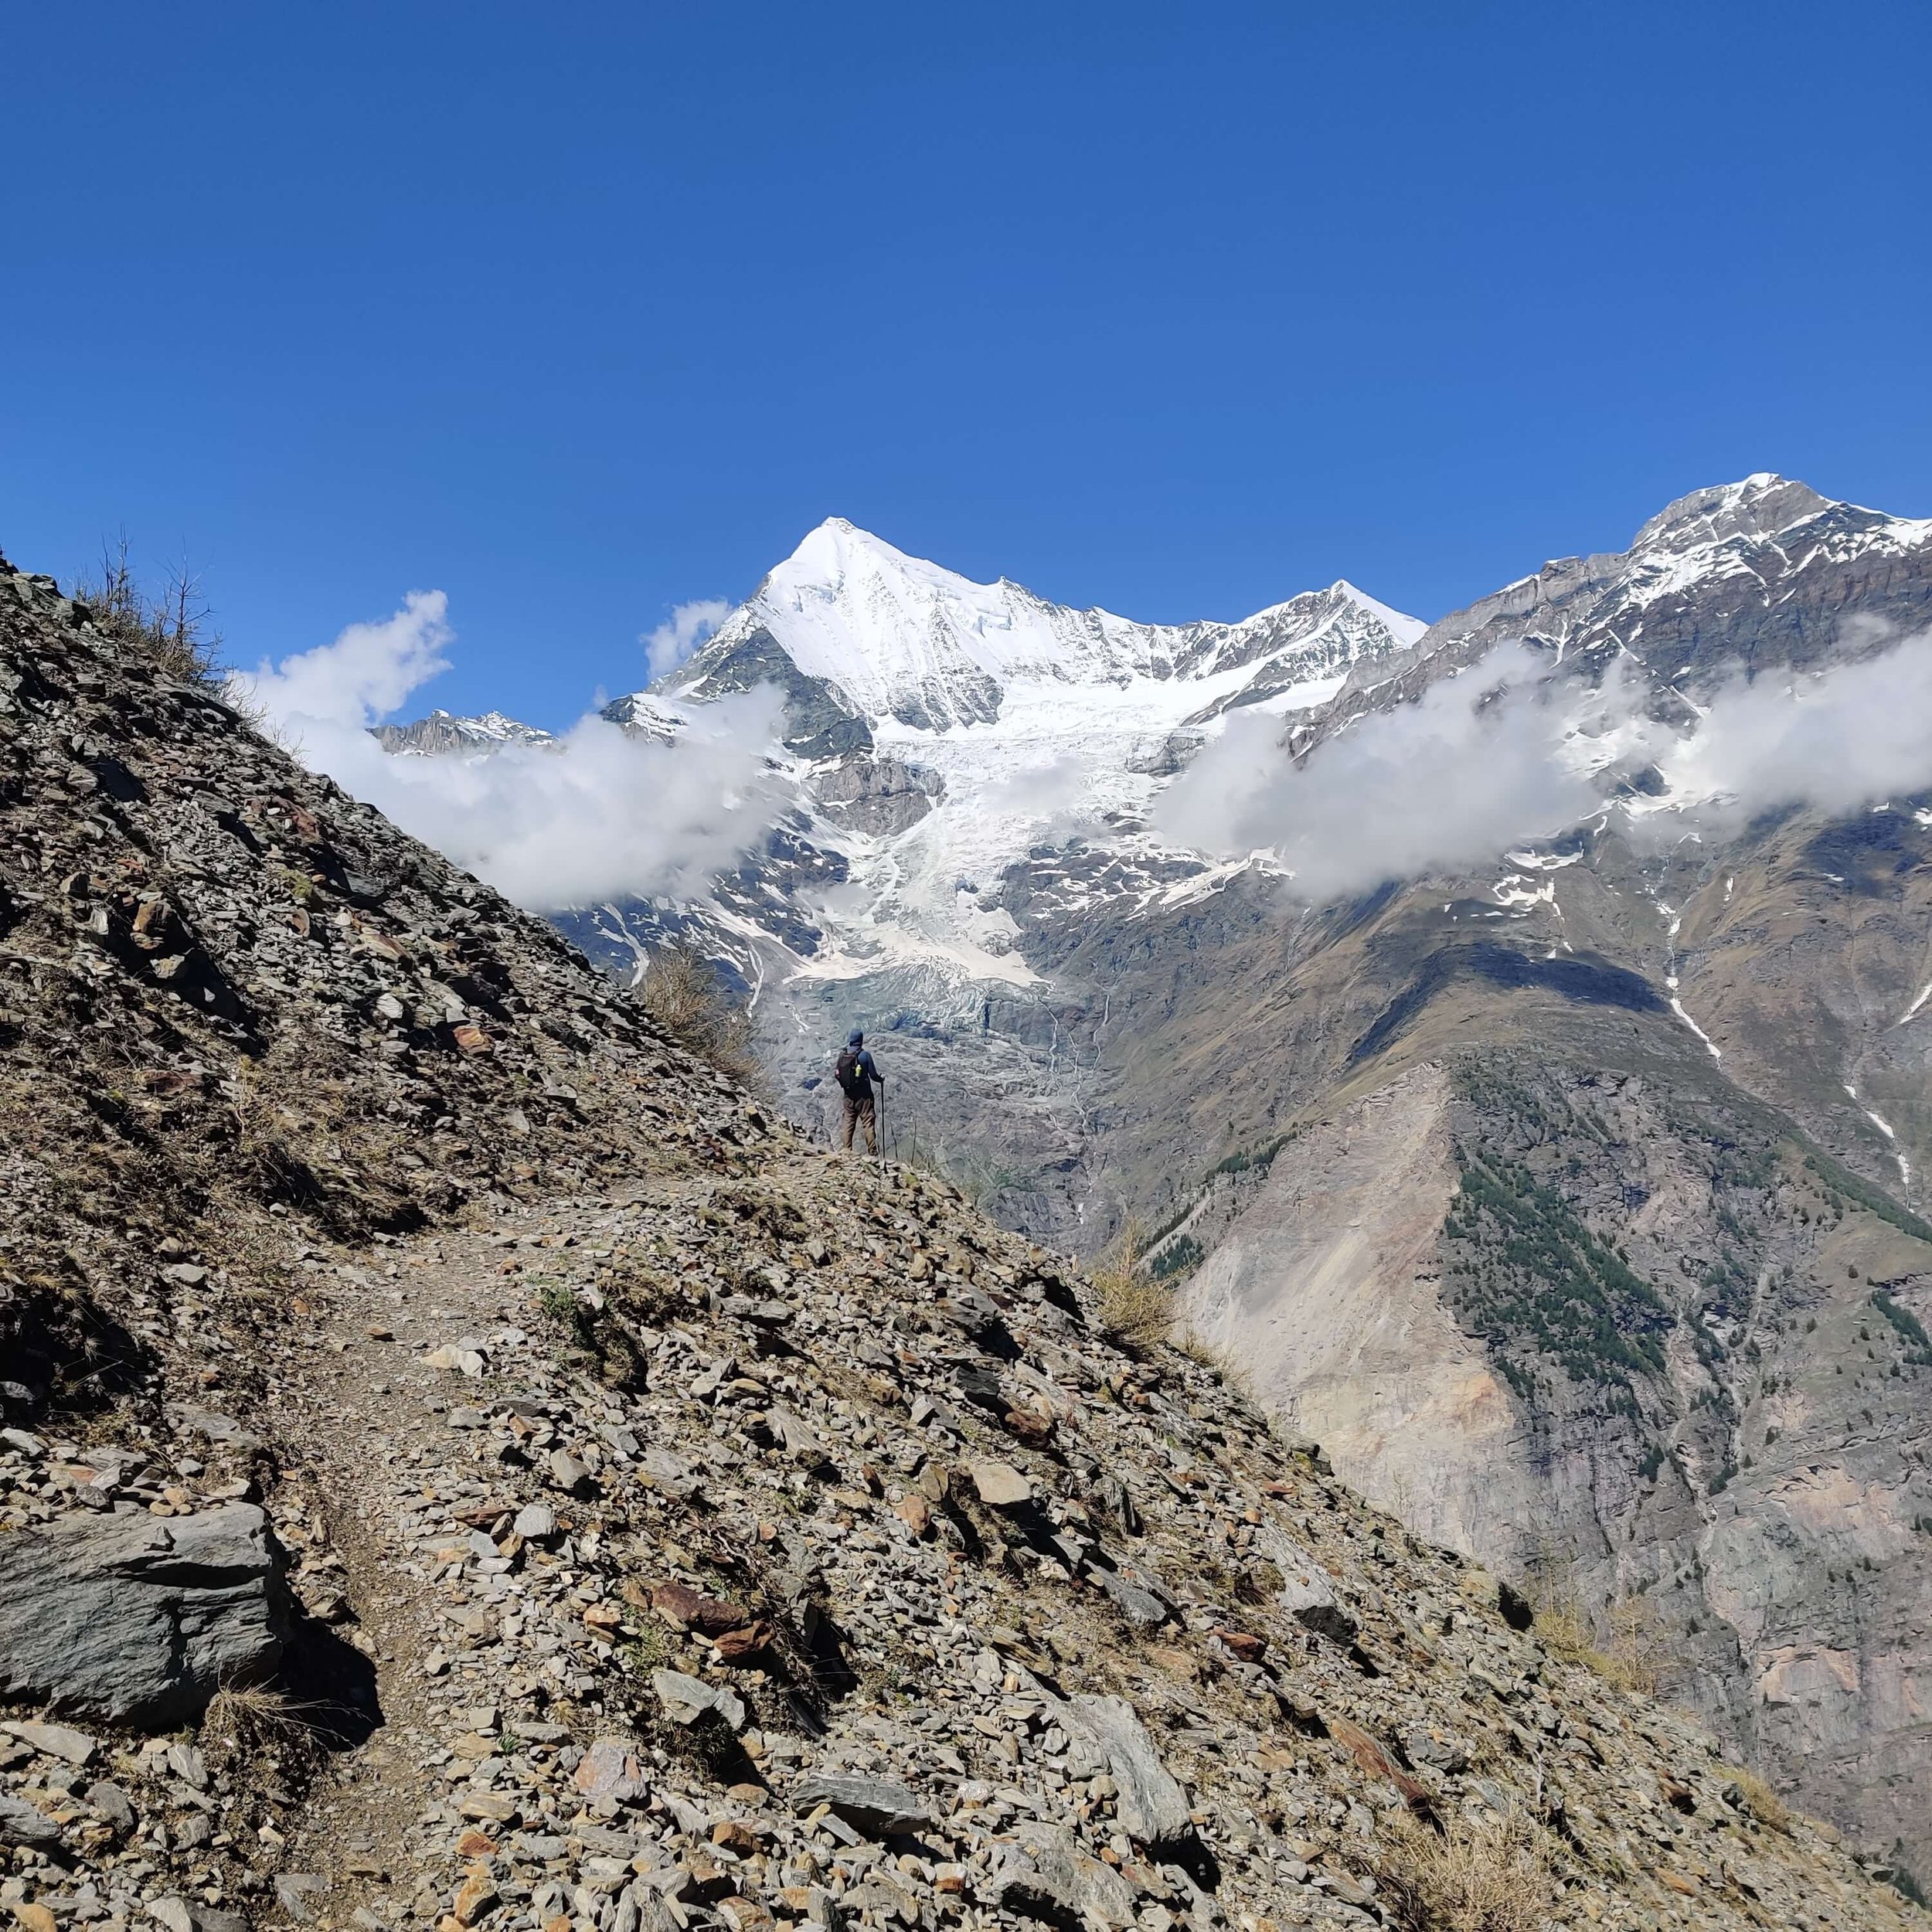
x,y
1637,1650
171,629
1204,1352
683,992
1487,1875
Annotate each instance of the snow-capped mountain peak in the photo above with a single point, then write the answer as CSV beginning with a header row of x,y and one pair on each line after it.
x,y
1402,628
444,731
1760,505
899,638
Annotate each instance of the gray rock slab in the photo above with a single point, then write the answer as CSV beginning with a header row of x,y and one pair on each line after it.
x,y
1047,1873
22,1825
1151,1804
687,1700
879,1807
137,1619
55,1740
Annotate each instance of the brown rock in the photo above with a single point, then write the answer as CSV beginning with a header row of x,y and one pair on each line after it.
x,y
488,1804
475,1896
1032,1428
746,1644
610,1769
1249,1648
694,1610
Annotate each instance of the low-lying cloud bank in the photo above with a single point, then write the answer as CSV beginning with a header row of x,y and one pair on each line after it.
x,y
595,815
1847,738
1494,757
1482,762
1437,785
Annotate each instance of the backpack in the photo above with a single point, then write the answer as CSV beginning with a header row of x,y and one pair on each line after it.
x,y
852,1076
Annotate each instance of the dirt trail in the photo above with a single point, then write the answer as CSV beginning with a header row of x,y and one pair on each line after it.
x,y
369,1433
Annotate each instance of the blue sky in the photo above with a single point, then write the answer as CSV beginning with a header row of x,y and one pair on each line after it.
x,y
577,313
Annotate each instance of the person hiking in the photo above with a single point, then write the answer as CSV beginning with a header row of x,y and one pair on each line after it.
x,y
856,1073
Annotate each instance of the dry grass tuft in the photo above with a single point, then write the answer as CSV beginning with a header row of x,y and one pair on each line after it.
x,y
1191,1345
1760,1800
1632,1659
682,991
1490,1874
248,1718
1134,1308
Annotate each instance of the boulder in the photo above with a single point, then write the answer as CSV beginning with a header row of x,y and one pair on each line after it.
x,y
999,1484
1307,1594
22,1825
1483,1586
1150,1804
1140,1599
139,1620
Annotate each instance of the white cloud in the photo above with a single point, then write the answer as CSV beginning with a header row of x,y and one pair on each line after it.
x,y
667,646
597,815
1497,756
1478,763
369,671
1836,739
1049,798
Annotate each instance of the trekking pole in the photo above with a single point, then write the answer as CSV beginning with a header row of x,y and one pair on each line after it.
x,y
881,1148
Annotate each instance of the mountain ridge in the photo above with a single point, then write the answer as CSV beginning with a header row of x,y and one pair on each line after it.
x,y
612,1546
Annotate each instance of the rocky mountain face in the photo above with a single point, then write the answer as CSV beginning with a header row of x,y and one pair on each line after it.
x,y
442,731
465,1464
1574,1206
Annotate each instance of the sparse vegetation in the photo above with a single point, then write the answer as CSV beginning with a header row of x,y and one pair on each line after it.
x,y
1259,1159
1632,1657
246,1719
1530,1269
1846,1189
684,992
172,627
1469,1875
1757,1798
1180,1257
1908,1885
1910,1330
1135,1308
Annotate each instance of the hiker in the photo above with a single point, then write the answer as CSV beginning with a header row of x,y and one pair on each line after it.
x,y
856,1073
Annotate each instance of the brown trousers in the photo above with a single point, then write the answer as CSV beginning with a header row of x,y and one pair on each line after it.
x,y
860,1113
